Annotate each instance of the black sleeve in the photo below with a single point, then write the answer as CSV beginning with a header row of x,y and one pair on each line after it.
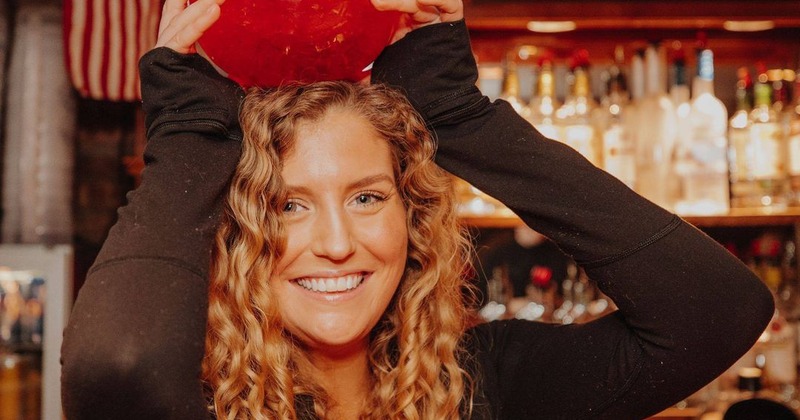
x,y
688,308
135,339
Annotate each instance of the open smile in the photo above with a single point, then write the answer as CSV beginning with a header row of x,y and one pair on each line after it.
x,y
332,284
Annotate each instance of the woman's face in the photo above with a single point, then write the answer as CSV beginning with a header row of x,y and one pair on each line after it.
x,y
346,233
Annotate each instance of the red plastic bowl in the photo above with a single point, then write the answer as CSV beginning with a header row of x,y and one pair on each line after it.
x,y
271,42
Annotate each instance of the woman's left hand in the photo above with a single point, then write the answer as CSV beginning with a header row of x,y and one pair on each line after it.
x,y
419,13
182,25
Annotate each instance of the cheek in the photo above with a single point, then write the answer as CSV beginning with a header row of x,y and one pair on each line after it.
x,y
296,242
387,237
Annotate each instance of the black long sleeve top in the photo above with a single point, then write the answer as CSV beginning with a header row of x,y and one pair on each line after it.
x,y
687,308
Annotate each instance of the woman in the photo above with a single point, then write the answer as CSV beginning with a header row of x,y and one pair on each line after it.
x,y
360,219
317,197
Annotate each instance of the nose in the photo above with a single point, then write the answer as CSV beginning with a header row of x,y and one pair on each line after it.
x,y
333,235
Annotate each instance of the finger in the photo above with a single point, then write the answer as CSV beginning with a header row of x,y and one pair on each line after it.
x,y
178,14
405,6
450,10
426,15
171,9
185,28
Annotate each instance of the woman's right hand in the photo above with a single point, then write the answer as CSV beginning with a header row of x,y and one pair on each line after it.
x,y
181,25
419,13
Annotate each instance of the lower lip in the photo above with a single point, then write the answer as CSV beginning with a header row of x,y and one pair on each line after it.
x,y
336,297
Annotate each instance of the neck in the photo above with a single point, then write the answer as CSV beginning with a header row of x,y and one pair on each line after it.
x,y
345,376
702,86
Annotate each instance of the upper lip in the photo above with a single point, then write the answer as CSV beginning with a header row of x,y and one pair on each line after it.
x,y
330,274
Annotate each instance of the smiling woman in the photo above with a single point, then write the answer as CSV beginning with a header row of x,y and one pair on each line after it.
x,y
295,254
358,267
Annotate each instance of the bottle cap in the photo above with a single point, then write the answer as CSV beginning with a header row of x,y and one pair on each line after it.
x,y
706,65
750,379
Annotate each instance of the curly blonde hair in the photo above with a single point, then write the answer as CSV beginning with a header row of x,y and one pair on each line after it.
x,y
253,368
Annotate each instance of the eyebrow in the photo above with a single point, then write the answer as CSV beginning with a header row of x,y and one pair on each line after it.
x,y
361,183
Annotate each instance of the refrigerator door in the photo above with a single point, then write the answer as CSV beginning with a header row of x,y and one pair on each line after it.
x,y
53,264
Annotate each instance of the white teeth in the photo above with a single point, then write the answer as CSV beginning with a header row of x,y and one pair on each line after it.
x,y
332,285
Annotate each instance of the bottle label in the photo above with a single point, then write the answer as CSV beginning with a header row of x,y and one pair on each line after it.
x,y
548,130
794,149
619,158
740,161
766,154
581,138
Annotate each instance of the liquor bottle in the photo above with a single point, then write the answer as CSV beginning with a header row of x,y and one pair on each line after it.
x,y
703,170
636,91
655,136
619,152
794,145
511,93
679,91
768,177
752,401
575,116
740,159
544,105
779,349
498,291
637,76
780,90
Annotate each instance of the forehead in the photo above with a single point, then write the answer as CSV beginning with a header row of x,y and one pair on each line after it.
x,y
341,144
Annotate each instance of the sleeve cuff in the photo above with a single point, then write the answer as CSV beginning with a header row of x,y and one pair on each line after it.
x,y
180,88
433,65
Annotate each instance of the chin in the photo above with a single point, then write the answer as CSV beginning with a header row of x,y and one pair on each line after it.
x,y
332,334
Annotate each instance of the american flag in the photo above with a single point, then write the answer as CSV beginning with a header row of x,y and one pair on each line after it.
x,y
104,41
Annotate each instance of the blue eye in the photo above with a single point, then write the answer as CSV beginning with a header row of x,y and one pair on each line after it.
x,y
291,207
369,198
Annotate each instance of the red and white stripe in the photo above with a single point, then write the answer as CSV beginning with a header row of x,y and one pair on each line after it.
x,y
105,39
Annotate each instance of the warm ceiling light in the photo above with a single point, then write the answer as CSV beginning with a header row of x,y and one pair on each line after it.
x,y
748,25
551,26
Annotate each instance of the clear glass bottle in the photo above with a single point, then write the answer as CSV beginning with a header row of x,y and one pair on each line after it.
x,y
575,117
498,293
776,350
767,178
655,135
543,106
703,170
618,148
752,401
679,90
740,159
511,92
780,91
793,154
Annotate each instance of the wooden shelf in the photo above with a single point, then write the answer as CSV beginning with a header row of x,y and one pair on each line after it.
x,y
625,14
496,26
735,218
748,217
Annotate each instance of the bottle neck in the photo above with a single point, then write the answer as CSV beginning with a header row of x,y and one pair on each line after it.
x,y
511,84
703,86
763,94
742,101
704,82
581,88
637,77
653,81
679,72
546,83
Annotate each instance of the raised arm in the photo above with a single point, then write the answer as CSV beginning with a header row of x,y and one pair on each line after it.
x,y
688,309
135,340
